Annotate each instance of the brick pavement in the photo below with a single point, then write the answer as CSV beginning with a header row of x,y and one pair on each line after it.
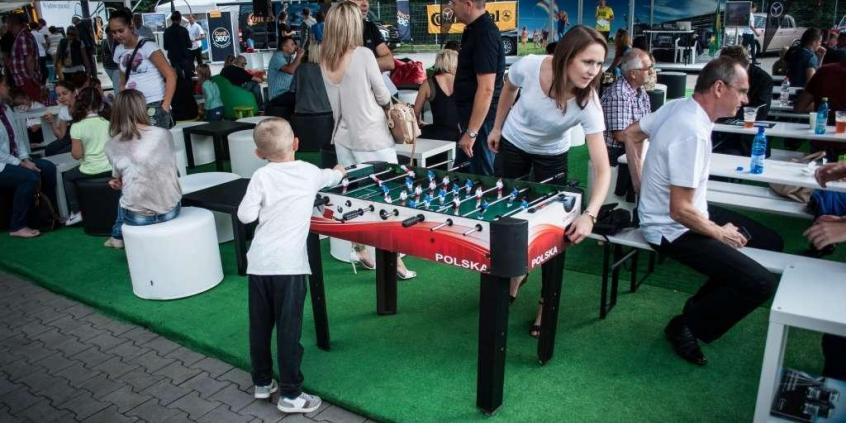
x,y
62,361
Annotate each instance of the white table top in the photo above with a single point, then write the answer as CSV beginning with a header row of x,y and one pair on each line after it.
x,y
785,130
40,112
425,146
793,90
775,171
812,297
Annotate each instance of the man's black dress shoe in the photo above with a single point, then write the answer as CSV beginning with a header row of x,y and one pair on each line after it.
x,y
684,342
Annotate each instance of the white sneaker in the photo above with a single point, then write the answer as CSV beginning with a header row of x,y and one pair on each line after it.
x,y
264,392
73,219
113,243
305,403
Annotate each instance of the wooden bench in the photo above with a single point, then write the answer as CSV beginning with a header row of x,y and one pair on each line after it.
x,y
633,239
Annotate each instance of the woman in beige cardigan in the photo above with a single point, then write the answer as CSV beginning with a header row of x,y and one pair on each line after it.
x,y
359,98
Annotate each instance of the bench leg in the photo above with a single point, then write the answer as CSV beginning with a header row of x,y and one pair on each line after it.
x,y
651,266
633,285
615,273
603,296
770,370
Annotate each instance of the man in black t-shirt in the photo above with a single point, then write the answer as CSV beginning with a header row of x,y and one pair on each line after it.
x,y
86,35
177,43
478,81
374,40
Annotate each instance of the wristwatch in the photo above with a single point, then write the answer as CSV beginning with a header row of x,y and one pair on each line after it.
x,y
472,134
592,217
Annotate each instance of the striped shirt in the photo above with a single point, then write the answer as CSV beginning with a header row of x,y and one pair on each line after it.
x,y
622,106
23,49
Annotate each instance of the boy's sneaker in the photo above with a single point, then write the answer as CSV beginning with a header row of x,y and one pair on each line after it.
x,y
73,219
304,403
264,392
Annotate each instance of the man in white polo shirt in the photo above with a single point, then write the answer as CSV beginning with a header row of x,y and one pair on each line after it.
x,y
674,214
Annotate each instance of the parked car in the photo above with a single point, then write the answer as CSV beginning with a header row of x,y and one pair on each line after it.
x,y
787,33
509,42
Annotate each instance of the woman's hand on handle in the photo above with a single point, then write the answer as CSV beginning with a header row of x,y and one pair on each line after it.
x,y
580,229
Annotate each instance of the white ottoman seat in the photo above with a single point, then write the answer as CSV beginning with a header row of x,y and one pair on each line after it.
x,y
242,154
200,181
202,145
174,259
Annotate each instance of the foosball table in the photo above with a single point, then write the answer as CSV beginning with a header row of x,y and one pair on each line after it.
x,y
497,227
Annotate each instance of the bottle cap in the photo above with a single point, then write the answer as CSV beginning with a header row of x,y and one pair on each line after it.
x,y
825,99
739,169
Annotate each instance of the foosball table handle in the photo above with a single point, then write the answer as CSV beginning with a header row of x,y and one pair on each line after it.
x,y
321,201
352,215
413,220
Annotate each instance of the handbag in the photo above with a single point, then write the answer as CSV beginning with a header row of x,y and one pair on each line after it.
x,y
402,122
42,215
792,192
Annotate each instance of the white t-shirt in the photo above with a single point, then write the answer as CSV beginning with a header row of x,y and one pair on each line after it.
x,y
679,154
41,42
281,197
145,77
535,124
195,31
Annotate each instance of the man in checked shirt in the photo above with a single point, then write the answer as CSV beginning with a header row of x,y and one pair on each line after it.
x,y
24,61
625,102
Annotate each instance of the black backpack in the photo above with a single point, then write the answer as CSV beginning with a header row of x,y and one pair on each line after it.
x,y
42,215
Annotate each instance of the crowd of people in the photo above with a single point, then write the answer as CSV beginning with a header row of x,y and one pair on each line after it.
x,y
510,126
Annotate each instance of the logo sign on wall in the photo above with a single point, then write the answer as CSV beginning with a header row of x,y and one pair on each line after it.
x,y
220,37
503,13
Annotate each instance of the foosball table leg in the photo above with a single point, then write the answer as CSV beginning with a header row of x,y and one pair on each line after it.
x,y
552,274
318,294
493,331
386,282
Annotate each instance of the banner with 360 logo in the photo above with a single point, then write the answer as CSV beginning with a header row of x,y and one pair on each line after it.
x,y
221,38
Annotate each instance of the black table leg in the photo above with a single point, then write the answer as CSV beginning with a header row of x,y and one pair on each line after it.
x,y
189,149
318,294
386,282
493,333
218,152
552,277
239,230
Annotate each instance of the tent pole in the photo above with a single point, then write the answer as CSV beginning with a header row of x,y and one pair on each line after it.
x,y
651,13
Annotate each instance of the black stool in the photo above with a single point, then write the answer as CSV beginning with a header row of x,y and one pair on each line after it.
x,y
676,83
313,129
656,99
98,203
7,196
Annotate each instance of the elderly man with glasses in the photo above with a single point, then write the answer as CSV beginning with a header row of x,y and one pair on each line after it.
x,y
625,102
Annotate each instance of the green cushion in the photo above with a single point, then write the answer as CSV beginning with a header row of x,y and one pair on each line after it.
x,y
233,96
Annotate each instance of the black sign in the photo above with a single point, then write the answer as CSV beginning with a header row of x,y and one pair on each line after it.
x,y
221,39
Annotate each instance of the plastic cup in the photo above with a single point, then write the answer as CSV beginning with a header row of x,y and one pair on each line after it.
x,y
812,118
749,114
840,121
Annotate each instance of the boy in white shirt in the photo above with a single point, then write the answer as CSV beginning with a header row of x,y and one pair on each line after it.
x,y
281,196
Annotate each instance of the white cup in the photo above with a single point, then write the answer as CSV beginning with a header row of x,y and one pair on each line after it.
x,y
812,118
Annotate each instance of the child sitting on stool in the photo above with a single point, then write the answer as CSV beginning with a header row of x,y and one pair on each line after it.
x,y
281,196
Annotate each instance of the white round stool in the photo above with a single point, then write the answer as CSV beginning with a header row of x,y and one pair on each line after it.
x,y
174,259
202,145
199,181
242,154
254,119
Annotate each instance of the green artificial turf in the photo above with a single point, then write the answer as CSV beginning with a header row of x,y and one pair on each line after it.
x,y
420,365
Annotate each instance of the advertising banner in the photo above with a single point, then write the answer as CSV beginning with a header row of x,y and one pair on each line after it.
x,y
403,20
504,14
221,38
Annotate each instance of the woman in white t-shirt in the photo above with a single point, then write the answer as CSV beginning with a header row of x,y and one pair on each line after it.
x,y
557,93
60,123
358,95
146,71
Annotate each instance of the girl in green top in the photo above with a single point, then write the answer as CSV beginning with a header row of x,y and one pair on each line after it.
x,y
211,94
89,135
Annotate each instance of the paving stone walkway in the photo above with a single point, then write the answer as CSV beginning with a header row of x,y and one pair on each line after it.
x,y
62,361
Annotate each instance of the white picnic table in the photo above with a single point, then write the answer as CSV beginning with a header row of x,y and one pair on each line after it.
x,y
775,172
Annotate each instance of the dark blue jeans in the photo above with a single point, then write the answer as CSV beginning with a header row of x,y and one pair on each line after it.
x,y
25,183
135,219
277,300
482,162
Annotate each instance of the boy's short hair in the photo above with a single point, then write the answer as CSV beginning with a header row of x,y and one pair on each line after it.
x,y
274,135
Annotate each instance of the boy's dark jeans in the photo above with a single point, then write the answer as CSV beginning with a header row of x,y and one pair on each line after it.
x,y
277,300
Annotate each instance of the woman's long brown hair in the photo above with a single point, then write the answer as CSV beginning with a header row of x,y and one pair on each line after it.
x,y
575,40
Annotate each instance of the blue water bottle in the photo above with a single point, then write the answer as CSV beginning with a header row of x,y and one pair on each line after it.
x,y
822,117
759,152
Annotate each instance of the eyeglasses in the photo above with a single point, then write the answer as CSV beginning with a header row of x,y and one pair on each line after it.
x,y
649,68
